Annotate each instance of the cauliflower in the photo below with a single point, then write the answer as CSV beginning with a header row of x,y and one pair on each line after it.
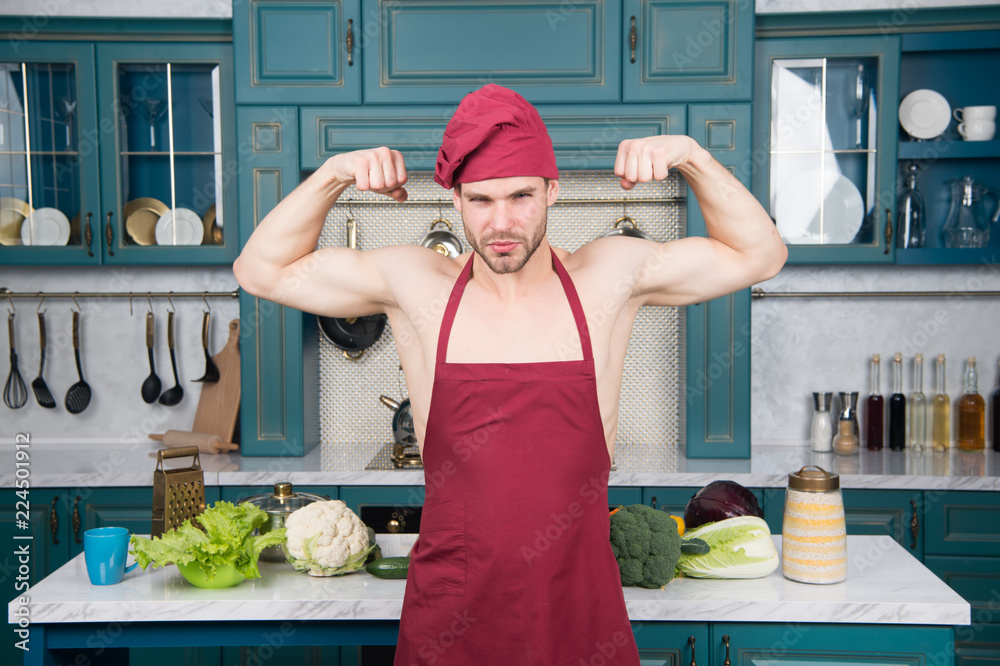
x,y
326,539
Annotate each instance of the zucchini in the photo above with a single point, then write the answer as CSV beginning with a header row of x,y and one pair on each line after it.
x,y
389,567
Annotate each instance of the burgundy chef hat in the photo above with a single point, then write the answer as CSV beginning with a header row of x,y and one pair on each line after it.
x,y
495,133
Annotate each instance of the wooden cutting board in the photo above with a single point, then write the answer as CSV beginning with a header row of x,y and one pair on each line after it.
x,y
219,403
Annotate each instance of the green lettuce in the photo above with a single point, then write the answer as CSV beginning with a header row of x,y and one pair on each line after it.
x,y
226,537
739,547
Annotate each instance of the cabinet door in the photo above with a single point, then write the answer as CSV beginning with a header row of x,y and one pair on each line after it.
x,y
962,523
794,644
825,127
306,51
423,51
718,331
683,51
671,643
168,160
49,139
131,508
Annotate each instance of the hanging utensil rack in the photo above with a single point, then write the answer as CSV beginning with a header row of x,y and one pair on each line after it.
x,y
560,201
7,293
759,293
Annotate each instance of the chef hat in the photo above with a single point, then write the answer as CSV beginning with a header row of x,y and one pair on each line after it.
x,y
495,133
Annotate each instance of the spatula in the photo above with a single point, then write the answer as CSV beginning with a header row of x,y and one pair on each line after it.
x,y
211,370
78,395
42,393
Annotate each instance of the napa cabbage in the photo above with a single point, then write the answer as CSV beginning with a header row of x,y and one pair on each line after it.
x,y
739,547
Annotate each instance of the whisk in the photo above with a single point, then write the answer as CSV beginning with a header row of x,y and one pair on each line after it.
x,y
15,393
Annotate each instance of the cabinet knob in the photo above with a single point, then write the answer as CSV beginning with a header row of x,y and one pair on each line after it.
x,y
54,521
109,236
88,235
350,43
633,37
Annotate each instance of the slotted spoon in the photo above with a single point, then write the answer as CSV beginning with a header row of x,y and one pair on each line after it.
x,y
42,393
78,395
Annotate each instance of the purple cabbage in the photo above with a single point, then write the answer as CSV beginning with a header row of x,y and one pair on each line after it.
x,y
720,500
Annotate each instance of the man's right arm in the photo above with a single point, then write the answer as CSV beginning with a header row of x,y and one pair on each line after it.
x,y
280,261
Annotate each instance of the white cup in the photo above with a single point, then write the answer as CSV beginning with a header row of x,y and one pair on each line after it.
x,y
977,130
969,113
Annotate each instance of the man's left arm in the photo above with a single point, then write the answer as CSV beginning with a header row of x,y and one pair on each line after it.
x,y
743,246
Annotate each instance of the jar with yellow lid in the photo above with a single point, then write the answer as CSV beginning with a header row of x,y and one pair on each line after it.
x,y
813,531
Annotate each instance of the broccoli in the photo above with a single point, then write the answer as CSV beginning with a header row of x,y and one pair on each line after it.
x,y
646,544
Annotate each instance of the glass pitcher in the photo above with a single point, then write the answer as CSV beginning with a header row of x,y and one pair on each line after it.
x,y
967,224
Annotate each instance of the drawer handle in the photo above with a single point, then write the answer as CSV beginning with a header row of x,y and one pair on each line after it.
x,y
350,43
725,639
54,521
633,37
88,235
691,643
914,526
654,501
888,230
109,236
76,520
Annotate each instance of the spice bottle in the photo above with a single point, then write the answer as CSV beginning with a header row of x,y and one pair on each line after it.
x,y
822,425
813,530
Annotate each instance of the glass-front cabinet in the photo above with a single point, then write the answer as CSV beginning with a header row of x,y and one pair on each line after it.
x,y
826,145
116,153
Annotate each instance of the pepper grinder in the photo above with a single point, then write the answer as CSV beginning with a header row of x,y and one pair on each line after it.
x,y
822,426
846,442
849,410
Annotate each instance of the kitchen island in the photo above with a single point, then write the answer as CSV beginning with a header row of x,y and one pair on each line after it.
x,y
888,596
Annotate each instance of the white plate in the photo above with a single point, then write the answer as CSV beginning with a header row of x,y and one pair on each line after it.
x,y
797,209
924,114
46,226
190,229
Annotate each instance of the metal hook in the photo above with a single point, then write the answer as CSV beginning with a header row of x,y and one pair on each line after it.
x,y
10,298
39,309
78,308
130,313
350,210
170,302
204,297
149,302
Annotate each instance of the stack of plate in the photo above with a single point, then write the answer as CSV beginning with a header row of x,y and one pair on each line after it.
x,y
19,225
149,221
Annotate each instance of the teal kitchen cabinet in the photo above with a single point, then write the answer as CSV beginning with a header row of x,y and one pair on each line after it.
x,y
825,130
795,644
962,546
668,643
299,51
115,136
427,51
897,514
950,64
683,51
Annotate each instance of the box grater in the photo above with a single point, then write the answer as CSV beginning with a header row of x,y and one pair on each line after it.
x,y
178,494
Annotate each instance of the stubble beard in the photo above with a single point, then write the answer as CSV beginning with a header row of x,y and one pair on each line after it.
x,y
503,264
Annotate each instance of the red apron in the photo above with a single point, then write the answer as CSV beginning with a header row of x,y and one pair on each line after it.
x,y
513,565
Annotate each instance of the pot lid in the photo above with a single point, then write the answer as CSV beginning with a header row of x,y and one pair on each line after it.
x,y
283,500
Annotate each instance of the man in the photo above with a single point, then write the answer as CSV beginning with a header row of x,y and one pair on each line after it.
x,y
516,419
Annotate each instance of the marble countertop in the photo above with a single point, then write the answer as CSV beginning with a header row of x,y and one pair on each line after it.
x,y
99,464
885,585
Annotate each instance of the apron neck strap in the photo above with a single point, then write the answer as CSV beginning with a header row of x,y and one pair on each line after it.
x,y
456,297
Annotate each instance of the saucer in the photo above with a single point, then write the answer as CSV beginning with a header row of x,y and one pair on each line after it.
x,y
924,114
46,226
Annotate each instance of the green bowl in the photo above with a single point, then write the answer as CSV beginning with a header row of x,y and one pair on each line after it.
x,y
225,576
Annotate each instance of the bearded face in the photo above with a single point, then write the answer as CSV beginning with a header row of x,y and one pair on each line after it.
x,y
505,219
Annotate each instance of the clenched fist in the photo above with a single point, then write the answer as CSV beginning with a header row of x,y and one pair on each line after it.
x,y
645,160
374,169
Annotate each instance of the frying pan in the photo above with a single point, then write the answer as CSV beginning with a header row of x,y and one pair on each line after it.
x,y
353,335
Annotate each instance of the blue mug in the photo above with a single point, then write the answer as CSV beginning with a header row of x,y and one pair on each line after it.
x,y
105,550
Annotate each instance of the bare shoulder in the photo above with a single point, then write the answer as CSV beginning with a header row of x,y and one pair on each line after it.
x,y
415,274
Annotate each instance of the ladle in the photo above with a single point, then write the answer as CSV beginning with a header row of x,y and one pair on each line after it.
x,y
78,395
42,393
172,395
151,385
